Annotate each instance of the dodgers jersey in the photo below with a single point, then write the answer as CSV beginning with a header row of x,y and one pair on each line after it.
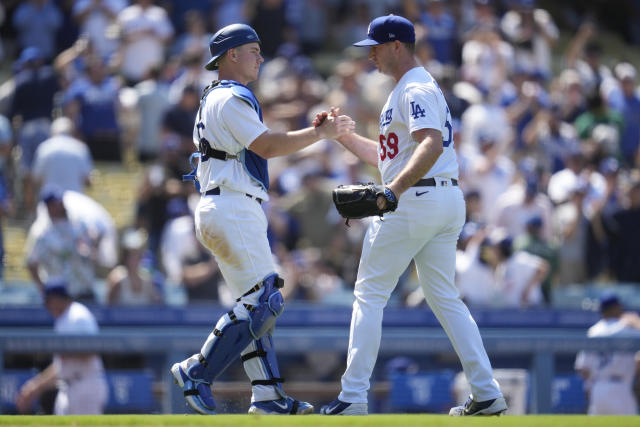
x,y
415,103
229,124
610,364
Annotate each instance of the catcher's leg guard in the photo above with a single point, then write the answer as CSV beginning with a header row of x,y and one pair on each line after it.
x,y
232,334
261,365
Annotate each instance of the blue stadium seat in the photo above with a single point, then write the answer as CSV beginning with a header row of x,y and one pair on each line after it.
x,y
422,392
568,395
130,392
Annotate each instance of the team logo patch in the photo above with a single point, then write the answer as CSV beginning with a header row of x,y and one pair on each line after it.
x,y
416,110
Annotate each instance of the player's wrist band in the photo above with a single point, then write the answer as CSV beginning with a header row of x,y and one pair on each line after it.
x,y
389,195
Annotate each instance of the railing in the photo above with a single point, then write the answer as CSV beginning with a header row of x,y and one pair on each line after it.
x,y
304,329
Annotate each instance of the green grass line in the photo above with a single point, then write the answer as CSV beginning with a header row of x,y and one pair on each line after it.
x,y
396,420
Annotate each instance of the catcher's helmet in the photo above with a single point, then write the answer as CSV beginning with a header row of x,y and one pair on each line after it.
x,y
231,36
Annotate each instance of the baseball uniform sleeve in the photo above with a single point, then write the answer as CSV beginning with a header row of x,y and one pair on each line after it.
x,y
421,106
242,121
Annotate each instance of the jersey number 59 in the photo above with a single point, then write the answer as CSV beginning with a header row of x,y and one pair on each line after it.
x,y
388,146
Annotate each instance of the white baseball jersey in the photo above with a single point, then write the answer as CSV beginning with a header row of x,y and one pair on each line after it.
x,y
424,228
83,389
229,124
611,373
415,103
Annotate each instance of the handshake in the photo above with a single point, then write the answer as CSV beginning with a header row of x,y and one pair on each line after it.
x,y
331,125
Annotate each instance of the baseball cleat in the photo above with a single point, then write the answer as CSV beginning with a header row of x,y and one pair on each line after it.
x,y
285,406
488,407
338,407
197,392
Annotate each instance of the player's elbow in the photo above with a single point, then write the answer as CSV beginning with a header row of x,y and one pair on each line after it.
x,y
434,147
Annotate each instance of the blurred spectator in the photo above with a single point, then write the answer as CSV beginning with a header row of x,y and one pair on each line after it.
x,y
96,19
534,242
441,30
491,174
516,206
269,19
563,182
62,160
532,32
195,37
145,30
6,199
61,249
131,282
37,22
178,119
191,74
602,210
31,109
474,267
529,99
187,263
584,54
483,119
609,375
588,126
309,206
548,139
571,227
92,103
71,63
477,14
97,223
569,95
6,144
151,105
518,274
625,100
82,388
227,12
486,59
624,238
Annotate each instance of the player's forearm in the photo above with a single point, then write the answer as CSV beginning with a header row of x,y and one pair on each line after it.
x,y
364,148
44,380
418,165
274,144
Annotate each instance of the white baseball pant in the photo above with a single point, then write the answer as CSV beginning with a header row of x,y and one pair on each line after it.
x,y
85,396
425,227
612,398
234,228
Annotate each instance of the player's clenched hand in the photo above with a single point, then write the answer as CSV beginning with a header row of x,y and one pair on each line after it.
x,y
322,116
335,126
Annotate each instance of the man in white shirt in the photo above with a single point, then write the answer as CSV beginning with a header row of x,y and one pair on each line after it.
x,y
63,160
82,388
233,147
609,375
415,154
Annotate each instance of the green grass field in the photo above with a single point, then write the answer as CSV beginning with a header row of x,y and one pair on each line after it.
x,y
398,420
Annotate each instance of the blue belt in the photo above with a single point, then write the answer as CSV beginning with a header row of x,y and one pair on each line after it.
x,y
216,192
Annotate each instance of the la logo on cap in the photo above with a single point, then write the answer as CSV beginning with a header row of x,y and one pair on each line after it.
x,y
392,36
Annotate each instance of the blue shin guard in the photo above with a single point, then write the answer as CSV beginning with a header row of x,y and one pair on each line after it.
x,y
232,334
261,365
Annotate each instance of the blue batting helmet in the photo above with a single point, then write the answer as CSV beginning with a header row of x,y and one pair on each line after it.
x,y
231,36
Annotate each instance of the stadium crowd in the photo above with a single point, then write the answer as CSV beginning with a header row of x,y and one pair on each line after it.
x,y
547,139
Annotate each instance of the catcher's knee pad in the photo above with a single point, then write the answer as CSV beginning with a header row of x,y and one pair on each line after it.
x,y
237,329
261,365
270,305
